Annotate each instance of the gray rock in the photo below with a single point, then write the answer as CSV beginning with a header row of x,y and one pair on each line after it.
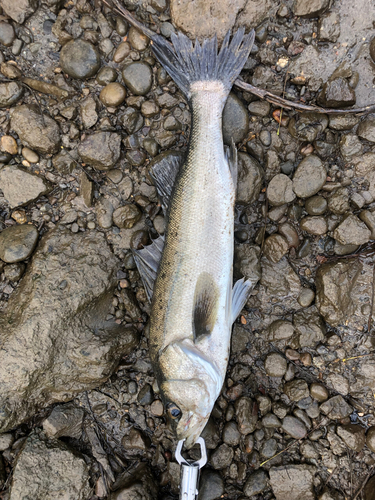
x,y
370,438
135,484
338,383
256,483
307,126
370,489
65,420
336,408
309,327
247,415
104,213
294,427
265,138
235,120
270,421
65,297
137,77
49,470
279,190
275,247
275,365
352,231
250,179
20,10
318,392
353,436
309,177
106,74
18,242
222,457
135,442
231,435
314,8
127,216
246,262
79,59
10,93
269,448
329,494
259,108
306,297
366,129
20,187
101,149
211,485
338,202
336,93
314,225
316,205
6,441
89,116
350,146
39,134
293,482
131,120
372,49
64,162
343,122
296,390
7,34
329,27
279,330
211,434
137,39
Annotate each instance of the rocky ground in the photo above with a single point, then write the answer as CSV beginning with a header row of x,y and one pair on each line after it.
x,y
84,112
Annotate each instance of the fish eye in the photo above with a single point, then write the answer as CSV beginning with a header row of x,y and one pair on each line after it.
x,y
174,411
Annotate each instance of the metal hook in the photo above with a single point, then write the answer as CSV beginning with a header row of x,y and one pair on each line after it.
x,y
190,471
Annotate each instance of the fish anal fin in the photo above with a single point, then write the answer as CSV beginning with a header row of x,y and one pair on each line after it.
x,y
163,171
147,260
205,308
240,294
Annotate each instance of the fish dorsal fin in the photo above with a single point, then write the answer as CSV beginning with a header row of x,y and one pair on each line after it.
x,y
163,171
206,301
240,294
147,260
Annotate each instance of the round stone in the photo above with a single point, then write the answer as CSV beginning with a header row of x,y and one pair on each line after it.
x,y
256,483
265,138
14,272
275,365
314,225
8,144
137,77
296,390
138,40
370,438
113,94
126,216
79,59
17,242
275,247
280,190
30,155
7,34
106,75
235,120
294,427
309,177
306,297
316,205
122,51
10,93
149,109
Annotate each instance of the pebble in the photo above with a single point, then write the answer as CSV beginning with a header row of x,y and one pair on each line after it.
x,y
275,365
336,93
270,421
306,297
294,427
369,219
159,224
149,109
352,231
275,247
247,415
309,177
269,448
222,457
370,438
338,383
211,485
259,108
20,187
14,272
122,51
127,216
279,190
138,40
309,9
256,483
131,120
8,144
350,146
353,436
366,129
137,77
10,93
79,59
17,243
157,408
30,155
7,34
343,122
306,126
231,435
106,75
336,408
100,149
265,138
250,179
6,441
65,420
314,225
113,94
338,202
317,205
290,234
151,146
235,120
280,330
296,389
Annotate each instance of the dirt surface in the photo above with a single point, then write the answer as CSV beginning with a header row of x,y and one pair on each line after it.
x,y
84,110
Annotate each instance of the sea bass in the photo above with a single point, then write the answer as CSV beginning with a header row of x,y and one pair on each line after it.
x,y
188,272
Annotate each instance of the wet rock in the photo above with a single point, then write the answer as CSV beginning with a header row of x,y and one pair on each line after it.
x,y
307,126
366,129
235,120
127,216
316,205
222,457
275,365
275,247
318,392
17,242
329,27
113,94
79,59
350,146
279,190
231,435
71,280
19,11
353,436
64,162
336,408
341,290
310,9
370,438
49,469
137,77
296,390
137,39
30,155
336,93
314,225
293,482
309,327
89,116
280,330
247,415
106,75
14,272
135,442
250,179
352,231
7,34
338,202
101,149
308,67
131,120
40,134
309,177
306,297
246,262
343,122
259,108
294,427
10,93
20,187
65,420
370,489
290,234
338,383
270,421
256,483
211,485
6,441
135,484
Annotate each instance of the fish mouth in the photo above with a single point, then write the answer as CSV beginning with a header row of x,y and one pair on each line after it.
x,y
191,429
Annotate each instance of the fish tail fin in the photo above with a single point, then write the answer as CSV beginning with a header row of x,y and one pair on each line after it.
x,y
187,63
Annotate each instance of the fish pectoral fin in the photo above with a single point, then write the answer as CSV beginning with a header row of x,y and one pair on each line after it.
x,y
164,172
240,294
232,158
205,307
147,260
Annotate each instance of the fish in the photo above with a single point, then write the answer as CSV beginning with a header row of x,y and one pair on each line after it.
x,y
188,272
